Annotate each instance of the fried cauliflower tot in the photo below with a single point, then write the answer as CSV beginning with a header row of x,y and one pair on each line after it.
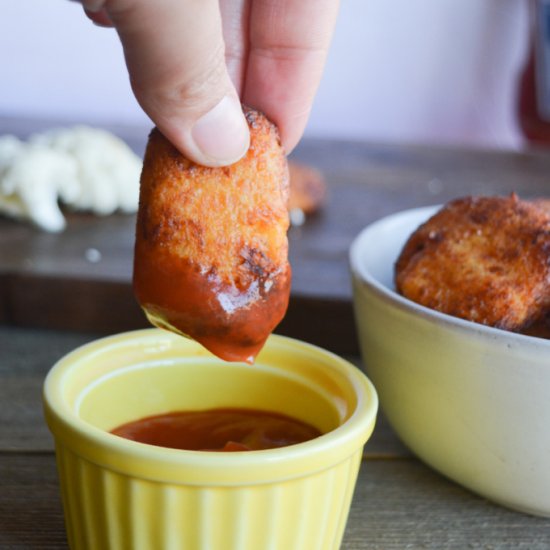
x,y
211,251
543,203
307,188
484,259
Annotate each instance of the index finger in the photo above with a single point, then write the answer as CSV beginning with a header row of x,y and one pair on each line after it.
x,y
289,43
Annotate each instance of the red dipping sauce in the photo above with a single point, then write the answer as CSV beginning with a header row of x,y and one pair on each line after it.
x,y
219,430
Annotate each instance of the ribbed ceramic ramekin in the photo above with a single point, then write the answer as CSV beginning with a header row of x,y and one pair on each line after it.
x,y
121,494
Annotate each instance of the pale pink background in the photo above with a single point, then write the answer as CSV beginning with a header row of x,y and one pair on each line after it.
x,y
432,71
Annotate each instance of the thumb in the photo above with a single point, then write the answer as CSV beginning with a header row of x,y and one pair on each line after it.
x,y
175,54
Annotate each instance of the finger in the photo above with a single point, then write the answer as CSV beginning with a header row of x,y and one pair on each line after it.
x,y
174,51
235,17
100,18
289,42
93,6
95,10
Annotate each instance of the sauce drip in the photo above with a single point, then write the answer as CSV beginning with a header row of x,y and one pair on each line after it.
x,y
219,430
232,323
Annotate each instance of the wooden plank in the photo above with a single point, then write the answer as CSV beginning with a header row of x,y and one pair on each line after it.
x,y
31,514
5,314
397,504
365,182
403,504
25,358
26,250
325,322
66,303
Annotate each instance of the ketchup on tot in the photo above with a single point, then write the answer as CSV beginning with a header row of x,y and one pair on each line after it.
x,y
219,430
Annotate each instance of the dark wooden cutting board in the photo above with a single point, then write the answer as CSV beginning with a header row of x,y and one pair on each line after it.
x,y
52,280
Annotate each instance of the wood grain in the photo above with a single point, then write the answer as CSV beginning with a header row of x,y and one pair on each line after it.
x,y
397,505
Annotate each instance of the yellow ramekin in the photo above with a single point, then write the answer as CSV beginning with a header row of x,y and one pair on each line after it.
x,y
121,494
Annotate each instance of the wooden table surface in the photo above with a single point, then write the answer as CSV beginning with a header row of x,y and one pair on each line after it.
x,y
53,299
399,502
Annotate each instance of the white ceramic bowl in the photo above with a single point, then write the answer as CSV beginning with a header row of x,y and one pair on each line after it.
x,y
471,401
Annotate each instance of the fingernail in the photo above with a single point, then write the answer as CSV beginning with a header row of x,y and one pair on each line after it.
x,y
99,18
222,134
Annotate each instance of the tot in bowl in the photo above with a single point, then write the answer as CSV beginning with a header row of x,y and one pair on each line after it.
x,y
470,400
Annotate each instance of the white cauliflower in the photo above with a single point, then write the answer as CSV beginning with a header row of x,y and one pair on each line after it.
x,y
81,168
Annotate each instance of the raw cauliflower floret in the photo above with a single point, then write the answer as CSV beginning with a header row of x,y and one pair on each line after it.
x,y
82,168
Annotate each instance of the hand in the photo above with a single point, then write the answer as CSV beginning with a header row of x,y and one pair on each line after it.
x,y
192,63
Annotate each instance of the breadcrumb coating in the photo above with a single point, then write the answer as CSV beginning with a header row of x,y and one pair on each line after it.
x,y
211,255
484,259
